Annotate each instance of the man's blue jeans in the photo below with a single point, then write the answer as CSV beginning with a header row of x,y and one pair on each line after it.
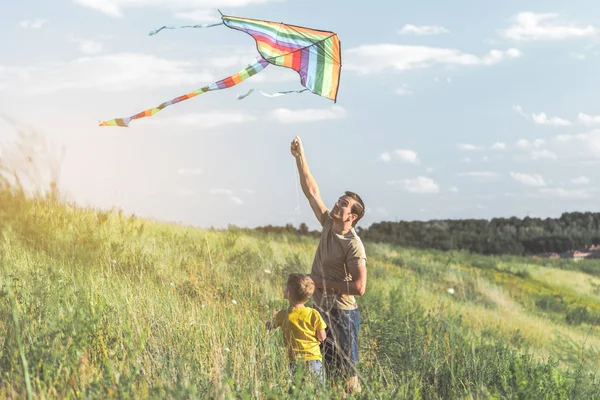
x,y
340,348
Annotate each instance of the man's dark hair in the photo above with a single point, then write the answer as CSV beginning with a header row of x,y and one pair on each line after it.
x,y
358,208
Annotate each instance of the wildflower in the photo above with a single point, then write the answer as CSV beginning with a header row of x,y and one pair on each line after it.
x,y
450,290
234,301
268,271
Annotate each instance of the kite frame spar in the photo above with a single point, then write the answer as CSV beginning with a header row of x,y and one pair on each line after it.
x,y
290,59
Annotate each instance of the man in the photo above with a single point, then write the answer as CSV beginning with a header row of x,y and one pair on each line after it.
x,y
339,272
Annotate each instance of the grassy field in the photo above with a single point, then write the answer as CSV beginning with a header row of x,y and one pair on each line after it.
x,y
97,304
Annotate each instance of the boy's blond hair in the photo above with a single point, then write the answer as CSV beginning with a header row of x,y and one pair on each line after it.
x,y
301,287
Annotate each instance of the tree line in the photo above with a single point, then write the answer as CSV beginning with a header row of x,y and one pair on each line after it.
x,y
572,230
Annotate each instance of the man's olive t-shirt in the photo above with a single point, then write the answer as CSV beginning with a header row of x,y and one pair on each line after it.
x,y
331,258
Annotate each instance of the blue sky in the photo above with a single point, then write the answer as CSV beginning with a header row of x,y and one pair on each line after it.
x,y
462,109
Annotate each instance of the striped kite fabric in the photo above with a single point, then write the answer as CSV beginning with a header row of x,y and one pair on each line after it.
x,y
233,80
314,54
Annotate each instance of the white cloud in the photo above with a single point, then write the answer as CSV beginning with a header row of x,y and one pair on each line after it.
x,y
468,147
578,56
522,143
589,119
234,59
220,191
528,180
544,153
201,16
89,46
438,79
519,110
33,24
190,171
582,148
479,174
115,8
402,91
420,184
111,72
377,211
564,193
410,29
228,193
581,180
535,149
453,189
526,144
579,145
10,75
287,116
530,26
542,119
184,192
405,155
376,58
207,120
236,200
499,146
385,157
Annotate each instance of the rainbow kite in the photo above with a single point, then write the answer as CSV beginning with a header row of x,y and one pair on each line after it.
x,y
314,54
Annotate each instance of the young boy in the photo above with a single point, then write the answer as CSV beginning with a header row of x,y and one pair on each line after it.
x,y
303,327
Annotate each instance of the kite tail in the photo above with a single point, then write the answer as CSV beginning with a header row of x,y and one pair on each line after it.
x,y
277,94
155,31
252,69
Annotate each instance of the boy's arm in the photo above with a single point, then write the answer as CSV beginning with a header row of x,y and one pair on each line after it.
x,y
320,326
321,335
273,324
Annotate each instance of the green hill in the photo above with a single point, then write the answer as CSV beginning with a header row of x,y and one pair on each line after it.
x,y
97,304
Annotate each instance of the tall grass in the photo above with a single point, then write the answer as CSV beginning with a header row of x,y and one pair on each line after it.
x,y
98,304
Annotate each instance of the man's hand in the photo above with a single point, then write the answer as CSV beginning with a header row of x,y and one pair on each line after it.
x,y
296,147
355,287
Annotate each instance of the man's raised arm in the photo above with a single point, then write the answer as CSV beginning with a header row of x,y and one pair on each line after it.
x,y
308,183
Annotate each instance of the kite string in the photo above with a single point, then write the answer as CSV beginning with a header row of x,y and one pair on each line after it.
x,y
296,184
277,94
155,31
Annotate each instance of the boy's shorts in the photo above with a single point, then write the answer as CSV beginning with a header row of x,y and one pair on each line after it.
x,y
314,367
340,348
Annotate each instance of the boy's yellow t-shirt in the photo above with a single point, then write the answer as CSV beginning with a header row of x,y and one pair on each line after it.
x,y
300,326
